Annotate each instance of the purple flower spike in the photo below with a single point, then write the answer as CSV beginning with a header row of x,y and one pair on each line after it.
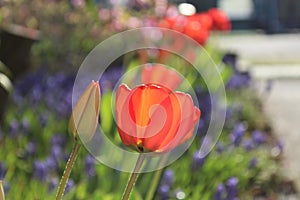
x,y
220,147
51,163
3,170
40,170
25,125
164,191
70,185
237,133
53,184
30,149
90,166
248,145
56,152
232,190
168,177
198,160
258,137
58,139
220,193
280,145
13,127
252,163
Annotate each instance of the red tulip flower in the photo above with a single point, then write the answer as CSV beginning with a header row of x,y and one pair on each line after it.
x,y
220,20
153,118
203,18
197,31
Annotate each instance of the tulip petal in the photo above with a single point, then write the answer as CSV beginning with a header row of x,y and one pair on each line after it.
x,y
125,125
167,133
186,121
161,75
196,117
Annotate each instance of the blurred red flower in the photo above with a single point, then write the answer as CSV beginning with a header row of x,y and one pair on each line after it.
x,y
196,26
196,30
153,118
203,18
220,20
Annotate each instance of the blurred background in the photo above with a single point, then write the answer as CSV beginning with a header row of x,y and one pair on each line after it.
x,y
254,43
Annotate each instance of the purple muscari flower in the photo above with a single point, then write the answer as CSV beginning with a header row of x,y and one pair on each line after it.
x,y
198,160
239,80
230,59
237,133
168,177
13,127
164,191
220,192
232,190
37,93
56,152
51,83
25,125
30,149
43,119
110,77
258,137
40,170
62,109
50,101
17,98
53,184
280,145
252,163
70,185
248,145
58,139
3,170
51,163
90,166
220,147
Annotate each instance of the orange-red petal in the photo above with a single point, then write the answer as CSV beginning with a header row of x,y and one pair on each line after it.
x,y
161,75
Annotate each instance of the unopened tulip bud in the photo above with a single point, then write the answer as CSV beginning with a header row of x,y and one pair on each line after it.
x,y
84,118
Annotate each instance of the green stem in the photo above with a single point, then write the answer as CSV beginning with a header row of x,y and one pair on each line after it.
x,y
133,177
156,179
67,172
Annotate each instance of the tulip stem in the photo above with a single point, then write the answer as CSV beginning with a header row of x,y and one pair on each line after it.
x,y
67,171
133,177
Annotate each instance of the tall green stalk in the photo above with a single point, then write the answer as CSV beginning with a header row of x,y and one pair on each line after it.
x,y
67,171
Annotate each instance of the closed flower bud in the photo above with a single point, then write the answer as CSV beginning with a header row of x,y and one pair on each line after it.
x,y
84,118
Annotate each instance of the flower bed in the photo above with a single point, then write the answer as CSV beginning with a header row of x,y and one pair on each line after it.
x,y
35,144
